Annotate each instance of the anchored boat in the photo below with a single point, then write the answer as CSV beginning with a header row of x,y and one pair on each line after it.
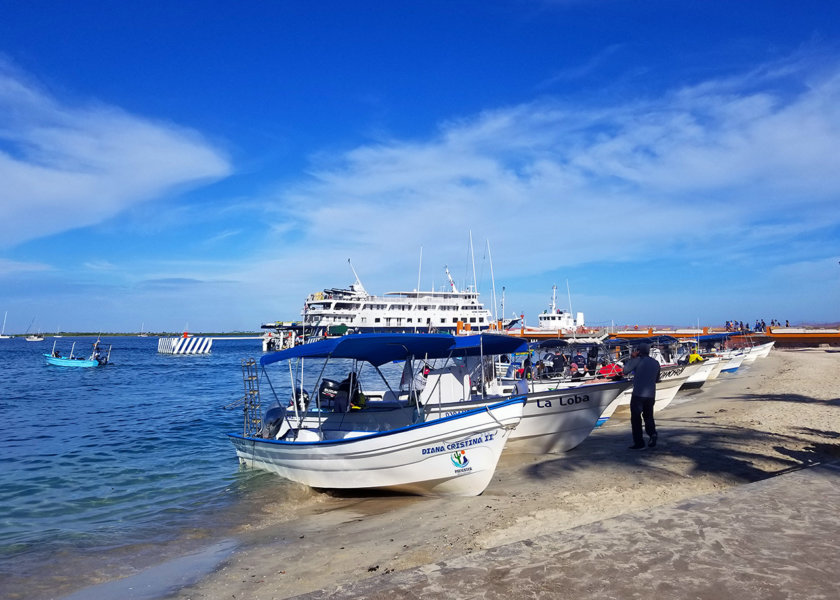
x,y
97,357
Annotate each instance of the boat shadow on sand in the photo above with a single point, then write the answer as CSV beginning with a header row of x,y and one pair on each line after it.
x,y
794,398
697,446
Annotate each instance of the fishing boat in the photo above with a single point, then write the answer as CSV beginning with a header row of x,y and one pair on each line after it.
x,y
674,371
734,360
558,415
448,456
96,359
552,323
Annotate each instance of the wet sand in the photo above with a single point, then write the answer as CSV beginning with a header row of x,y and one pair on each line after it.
x,y
771,417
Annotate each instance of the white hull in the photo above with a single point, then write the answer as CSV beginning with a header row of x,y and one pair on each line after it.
x,y
454,456
554,420
735,361
557,421
672,378
721,362
750,355
702,374
763,350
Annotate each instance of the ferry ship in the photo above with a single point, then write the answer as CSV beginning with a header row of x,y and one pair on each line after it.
x,y
337,311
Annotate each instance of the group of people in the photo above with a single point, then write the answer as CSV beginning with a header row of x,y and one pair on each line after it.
x,y
760,325
576,365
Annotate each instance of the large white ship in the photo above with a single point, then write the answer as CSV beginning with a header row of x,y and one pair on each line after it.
x,y
337,311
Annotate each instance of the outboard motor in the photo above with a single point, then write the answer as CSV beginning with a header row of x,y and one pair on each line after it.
x,y
274,418
327,392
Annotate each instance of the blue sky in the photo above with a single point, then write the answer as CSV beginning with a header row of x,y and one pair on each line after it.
x,y
211,163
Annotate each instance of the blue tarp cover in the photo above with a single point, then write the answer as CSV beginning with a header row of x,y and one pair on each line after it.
x,y
381,348
715,337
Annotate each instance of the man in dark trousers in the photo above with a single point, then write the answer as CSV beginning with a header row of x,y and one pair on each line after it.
x,y
645,376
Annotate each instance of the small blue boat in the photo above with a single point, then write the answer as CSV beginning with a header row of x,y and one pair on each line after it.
x,y
96,358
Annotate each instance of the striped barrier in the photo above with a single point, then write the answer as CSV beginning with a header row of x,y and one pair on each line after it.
x,y
185,345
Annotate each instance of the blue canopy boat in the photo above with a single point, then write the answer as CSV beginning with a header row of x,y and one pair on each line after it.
x,y
96,358
389,443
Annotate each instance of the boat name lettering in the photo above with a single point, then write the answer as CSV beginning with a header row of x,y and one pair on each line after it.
x,y
564,401
487,437
464,443
672,372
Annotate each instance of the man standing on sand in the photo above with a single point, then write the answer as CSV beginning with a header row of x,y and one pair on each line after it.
x,y
645,376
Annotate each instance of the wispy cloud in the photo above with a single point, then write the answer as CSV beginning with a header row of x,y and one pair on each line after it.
x,y
10,267
67,165
734,165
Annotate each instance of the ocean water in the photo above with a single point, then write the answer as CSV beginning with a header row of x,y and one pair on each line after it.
x,y
111,469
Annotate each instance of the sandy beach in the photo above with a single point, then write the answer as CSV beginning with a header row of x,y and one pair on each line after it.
x,y
774,416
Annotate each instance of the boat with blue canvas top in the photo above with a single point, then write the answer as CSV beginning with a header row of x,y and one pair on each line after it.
x,y
346,437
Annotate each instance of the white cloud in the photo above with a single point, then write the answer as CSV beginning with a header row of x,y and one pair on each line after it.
x,y
10,267
726,169
65,166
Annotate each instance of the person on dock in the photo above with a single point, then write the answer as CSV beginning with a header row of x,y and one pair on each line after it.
x,y
645,372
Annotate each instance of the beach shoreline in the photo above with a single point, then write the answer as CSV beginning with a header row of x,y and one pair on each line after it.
x,y
771,417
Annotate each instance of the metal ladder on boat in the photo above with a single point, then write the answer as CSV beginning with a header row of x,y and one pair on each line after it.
x,y
251,405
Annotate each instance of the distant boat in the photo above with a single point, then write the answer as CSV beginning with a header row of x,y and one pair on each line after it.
x,y
58,333
142,331
3,335
96,358
33,337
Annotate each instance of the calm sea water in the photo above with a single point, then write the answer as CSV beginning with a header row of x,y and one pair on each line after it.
x,y
108,469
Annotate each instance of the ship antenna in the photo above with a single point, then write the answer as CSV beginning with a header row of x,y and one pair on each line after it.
x,y
451,283
472,255
493,283
358,281
420,268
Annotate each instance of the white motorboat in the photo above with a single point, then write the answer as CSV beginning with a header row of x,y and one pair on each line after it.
x,y
763,350
701,375
672,377
556,418
330,447
558,321
735,360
